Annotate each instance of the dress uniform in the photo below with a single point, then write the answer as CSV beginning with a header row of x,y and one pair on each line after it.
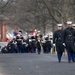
x,y
44,46
58,41
19,40
33,45
14,46
69,35
48,45
39,46
73,26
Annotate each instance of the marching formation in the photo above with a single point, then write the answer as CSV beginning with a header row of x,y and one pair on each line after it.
x,y
33,44
63,39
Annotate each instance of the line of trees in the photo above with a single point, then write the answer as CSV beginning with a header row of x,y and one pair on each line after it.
x,y
38,14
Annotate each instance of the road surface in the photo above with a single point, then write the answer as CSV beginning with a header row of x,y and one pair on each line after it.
x,y
34,64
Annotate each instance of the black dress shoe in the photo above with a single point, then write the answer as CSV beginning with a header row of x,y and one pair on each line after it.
x,y
59,61
69,61
73,60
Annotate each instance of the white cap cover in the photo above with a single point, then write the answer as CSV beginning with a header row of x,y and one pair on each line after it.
x,y
30,40
59,25
39,31
69,22
14,37
45,36
73,24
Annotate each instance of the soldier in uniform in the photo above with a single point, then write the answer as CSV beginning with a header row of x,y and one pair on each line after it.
x,y
38,46
33,44
44,46
73,26
14,45
48,45
58,41
69,41
19,40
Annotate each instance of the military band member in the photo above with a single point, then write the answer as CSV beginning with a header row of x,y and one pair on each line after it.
x,y
19,39
58,41
48,45
69,41
38,46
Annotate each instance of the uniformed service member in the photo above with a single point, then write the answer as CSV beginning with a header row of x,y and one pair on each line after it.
x,y
19,39
69,41
38,44
73,26
58,41
48,45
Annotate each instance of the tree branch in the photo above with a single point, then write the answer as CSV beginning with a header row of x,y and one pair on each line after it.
x,y
50,11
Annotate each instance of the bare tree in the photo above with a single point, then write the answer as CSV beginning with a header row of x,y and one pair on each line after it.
x,y
37,14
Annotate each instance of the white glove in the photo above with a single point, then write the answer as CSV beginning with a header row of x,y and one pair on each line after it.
x,y
24,43
53,44
64,44
14,42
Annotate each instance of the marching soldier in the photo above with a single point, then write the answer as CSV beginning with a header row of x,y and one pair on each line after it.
x,y
48,45
38,46
69,41
58,41
73,26
19,39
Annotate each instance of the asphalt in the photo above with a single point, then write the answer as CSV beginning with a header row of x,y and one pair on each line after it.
x,y
34,64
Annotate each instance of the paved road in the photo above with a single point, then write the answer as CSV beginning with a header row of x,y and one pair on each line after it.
x,y
34,64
